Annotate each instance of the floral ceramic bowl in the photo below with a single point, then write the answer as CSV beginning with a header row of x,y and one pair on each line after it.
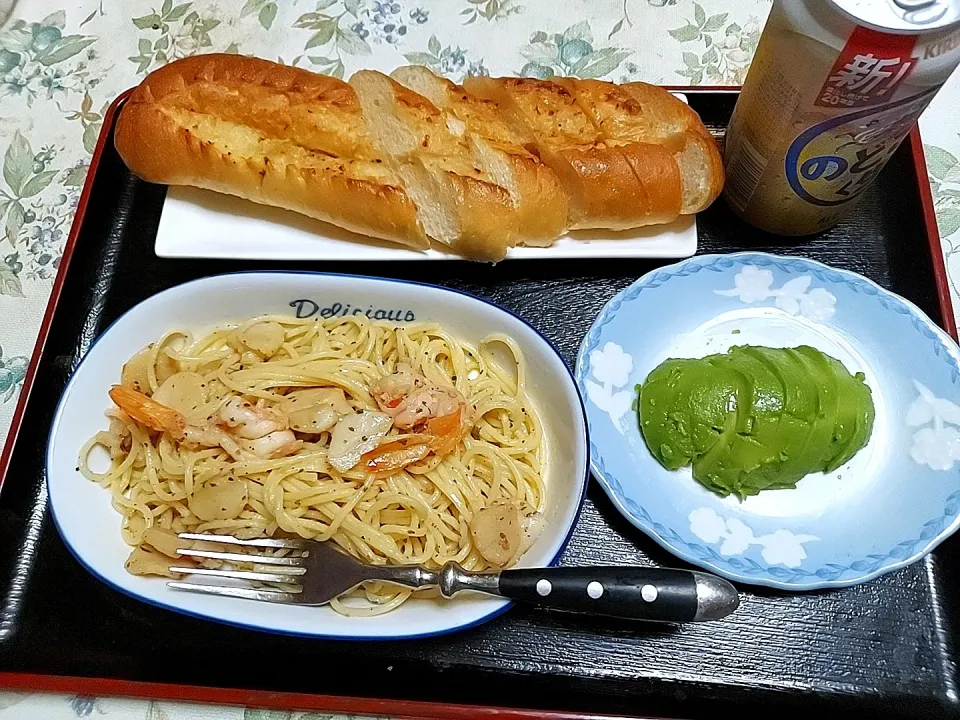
x,y
889,506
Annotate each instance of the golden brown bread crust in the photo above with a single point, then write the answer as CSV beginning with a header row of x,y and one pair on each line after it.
x,y
664,110
412,133
583,127
496,163
604,190
318,111
536,194
243,126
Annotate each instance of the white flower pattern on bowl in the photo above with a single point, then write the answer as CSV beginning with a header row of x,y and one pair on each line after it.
x,y
936,446
795,296
782,547
611,367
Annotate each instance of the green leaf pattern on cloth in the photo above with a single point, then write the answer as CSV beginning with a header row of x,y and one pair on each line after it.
x,y
943,169
722,48
572,52
171,32
61,64
489,10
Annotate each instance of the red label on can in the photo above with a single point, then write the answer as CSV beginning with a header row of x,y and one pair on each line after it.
x,y
869,68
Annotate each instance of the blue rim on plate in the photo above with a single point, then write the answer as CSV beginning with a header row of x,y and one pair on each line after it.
x,y
799,541
275,631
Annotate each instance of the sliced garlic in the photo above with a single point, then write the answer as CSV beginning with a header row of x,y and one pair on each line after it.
x,y
186,393
531,526
219,499
315,410
166,541
497,532
146,562
264,337
135,371
354,435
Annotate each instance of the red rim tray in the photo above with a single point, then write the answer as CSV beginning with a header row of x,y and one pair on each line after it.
x,y
668,692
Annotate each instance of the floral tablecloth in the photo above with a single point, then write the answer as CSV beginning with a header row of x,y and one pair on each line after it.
x,y
61,64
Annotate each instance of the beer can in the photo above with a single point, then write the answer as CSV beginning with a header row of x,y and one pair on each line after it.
x,y
834,87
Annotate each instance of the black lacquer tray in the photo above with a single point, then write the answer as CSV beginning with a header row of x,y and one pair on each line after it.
x,y
886,647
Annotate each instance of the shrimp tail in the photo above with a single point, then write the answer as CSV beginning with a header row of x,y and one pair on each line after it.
x,y
148,412
392,456
440,436
446,432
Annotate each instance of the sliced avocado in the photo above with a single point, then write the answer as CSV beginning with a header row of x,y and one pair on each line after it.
x,y
793,431
663,435
789,466
755,418
824,378
780,435
799,399
718,463
768,388
713,469
682,408
855,418
753,451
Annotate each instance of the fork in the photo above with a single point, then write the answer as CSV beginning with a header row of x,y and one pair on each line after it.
x,y
320,572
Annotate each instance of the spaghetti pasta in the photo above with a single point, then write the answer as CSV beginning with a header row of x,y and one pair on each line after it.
x,y
400,443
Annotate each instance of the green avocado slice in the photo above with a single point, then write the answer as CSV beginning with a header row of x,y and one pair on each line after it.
x,y
800,399
753,452
714,469
721,465
682,411
793,431
755,418
780,436
854,420
824,378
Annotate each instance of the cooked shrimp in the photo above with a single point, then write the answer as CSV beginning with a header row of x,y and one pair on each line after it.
x,y
439,436
410,399
212,436
277,444
149,412
251,422
260,431
439,415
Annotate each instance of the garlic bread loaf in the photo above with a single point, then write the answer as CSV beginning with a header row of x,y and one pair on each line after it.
x,y
416,159
276,135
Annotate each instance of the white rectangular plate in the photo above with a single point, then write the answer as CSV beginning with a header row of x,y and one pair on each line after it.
x,y
202,224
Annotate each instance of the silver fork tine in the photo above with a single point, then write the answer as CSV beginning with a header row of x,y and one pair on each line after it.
x,y
230,540
276,596
244,574
242,557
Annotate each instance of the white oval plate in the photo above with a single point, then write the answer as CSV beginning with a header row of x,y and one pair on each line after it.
x,y
90,527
